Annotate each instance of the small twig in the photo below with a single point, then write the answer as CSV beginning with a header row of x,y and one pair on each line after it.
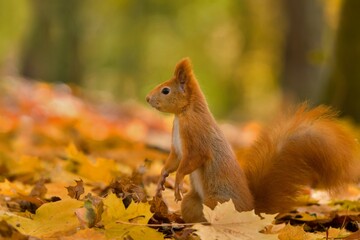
x,y
160,225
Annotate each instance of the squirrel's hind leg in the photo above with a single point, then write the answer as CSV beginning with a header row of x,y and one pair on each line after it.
x,y
192,208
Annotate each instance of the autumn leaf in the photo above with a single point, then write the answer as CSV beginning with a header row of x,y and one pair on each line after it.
x,y
24,165
161,211
13,188
98,169
125,188
77,190
86,215
101,169
90,214
86,234
39,190
51,219
57,189
227,223
337,233
320,217
50,137
120,222
9,232
297,233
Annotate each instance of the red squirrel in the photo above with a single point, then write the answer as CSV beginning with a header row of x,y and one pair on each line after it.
x,y
308,148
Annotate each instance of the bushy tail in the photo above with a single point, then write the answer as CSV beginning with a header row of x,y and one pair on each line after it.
x,y
310,148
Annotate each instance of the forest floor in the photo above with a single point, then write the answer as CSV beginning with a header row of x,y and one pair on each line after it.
x,y
73,167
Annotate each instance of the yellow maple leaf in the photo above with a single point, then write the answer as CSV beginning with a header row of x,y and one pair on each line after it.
x,y
227,223
88,234
120,222
337,233
50,219
103,170
98,169
76,155
24,165
297,233
14,188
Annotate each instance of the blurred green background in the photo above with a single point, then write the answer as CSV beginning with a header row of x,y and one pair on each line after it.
x,y
250,56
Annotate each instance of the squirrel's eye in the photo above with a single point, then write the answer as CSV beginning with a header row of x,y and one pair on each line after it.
x,y
165,90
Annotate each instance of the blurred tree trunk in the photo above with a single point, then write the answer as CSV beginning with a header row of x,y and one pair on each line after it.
x,y
344,85
51,52
301,71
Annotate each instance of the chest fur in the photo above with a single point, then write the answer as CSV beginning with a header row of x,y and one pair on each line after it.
x,y
176,139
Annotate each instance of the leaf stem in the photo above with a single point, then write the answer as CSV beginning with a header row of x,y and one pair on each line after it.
x,y
161,225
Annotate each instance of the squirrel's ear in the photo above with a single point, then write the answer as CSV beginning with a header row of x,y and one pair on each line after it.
x,y
183,71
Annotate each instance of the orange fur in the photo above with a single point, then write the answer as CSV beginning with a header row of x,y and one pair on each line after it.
x,y
306,149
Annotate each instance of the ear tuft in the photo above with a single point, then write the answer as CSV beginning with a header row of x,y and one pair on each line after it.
x,y
183,70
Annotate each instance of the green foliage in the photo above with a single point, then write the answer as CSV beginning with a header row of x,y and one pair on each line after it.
x,y
126,47
240,49
14,22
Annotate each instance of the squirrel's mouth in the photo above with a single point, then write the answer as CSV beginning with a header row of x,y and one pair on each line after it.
x,y
155,105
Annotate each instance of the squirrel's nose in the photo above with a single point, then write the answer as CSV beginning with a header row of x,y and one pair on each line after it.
x,y
148,98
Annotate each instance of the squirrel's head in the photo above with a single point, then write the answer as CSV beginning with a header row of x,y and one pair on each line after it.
x,y
175,95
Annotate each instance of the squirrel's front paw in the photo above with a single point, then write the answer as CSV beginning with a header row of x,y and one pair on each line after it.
x,y
178,192
161,183
159,189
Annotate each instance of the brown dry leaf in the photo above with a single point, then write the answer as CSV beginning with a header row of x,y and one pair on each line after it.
x,y
227,223
159,206
318,218
39,190
299,217
125,188
77,190
19,194
167,196
162,213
